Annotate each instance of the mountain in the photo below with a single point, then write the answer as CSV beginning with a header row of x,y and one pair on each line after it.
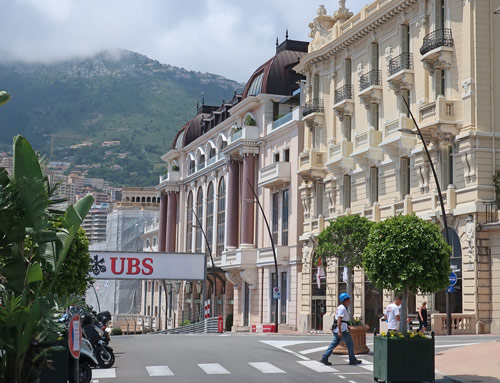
x,y
68,109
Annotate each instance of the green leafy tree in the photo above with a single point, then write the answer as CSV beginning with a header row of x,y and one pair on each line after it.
x,y
74,278
408,255
31,245
345,239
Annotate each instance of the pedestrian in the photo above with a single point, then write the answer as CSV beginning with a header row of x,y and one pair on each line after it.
x,y
341,322
422,317
392,314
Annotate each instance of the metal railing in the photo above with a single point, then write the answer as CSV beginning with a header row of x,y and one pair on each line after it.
x,y
313,106
491,211
344,93
369,79
438,38
401,62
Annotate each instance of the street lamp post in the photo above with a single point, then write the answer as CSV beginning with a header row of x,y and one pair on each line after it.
x,y
256,200
214,304
441,202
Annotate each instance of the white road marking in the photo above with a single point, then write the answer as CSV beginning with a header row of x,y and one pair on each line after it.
x,y
159,371
104,373
213,368
341,376
281,344
267,368
351,373
352,381
455,345
367,365
312,350
316,366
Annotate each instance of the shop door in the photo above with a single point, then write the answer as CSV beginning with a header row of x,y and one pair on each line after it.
x,y
318,311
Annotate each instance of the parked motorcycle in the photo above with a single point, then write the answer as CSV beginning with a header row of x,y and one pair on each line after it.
x,y
87,361
97,337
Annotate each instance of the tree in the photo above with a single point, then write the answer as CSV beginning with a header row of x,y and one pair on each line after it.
x,y
345,238
31,246
408,255
74,278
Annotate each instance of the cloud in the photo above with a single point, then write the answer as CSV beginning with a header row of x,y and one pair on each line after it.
x,y
227,37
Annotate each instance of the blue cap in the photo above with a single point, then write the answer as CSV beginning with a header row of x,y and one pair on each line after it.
x,y
344,296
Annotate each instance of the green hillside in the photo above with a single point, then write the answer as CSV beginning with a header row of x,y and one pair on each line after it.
x,y
119,95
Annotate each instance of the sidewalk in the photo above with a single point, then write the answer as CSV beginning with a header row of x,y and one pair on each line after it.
x,y
475,363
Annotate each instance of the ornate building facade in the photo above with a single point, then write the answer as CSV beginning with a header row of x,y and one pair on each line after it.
x,y
441,57
217,161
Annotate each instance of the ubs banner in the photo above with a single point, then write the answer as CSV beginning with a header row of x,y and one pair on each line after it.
x,y
119,265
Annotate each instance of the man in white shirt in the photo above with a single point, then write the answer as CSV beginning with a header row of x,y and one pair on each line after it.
x,y
341,322
392,314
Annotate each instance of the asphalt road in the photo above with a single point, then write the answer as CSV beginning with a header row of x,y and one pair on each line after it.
x,y
211,358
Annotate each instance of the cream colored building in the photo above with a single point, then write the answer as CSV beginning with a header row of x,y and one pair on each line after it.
x,y
442,56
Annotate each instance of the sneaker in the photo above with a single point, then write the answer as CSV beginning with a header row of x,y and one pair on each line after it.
x,y
325,362
355,361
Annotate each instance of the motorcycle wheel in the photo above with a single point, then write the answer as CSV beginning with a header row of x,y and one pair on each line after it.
x,y
85,373
106,358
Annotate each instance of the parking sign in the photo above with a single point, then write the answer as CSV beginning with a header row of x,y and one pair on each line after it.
x,y
276,293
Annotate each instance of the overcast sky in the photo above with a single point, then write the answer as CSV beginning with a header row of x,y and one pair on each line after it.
x,y
227,37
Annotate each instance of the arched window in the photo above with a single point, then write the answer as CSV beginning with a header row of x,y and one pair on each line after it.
x,y
143,199
221,216
133,199
199,214
189,223
210,214
148,199
154,199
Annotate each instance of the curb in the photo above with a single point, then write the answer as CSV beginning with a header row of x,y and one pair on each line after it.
x,y
448,379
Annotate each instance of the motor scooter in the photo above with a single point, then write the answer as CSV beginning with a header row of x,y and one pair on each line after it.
x,y
86,362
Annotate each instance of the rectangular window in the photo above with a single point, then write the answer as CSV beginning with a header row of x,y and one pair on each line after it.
x,y
276,110
374,56
319,197
276,157
373,185
283,298
446,166
347,72
347,191
405,94
374,117
316,87
284,219
405,38
405,176
347,128
439,14
272,308
440,82
275,217
286,155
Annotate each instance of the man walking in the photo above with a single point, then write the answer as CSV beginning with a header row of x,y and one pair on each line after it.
x,y
392,314
341,321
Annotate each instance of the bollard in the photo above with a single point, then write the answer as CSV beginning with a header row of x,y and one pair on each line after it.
x,y
220,324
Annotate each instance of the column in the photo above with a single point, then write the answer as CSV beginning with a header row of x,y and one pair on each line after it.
x,y
171,222
248,208
163,223
232,204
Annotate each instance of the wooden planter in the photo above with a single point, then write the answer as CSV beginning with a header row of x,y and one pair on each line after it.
x,y
403,360
358,334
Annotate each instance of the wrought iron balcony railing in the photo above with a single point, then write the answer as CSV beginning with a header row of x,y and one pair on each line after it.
x,y
369,79
344,93
438,38
401,62
313,106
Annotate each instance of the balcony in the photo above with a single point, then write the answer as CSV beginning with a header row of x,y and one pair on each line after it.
x,y
437,49
276,174
236,258
344,103
313,106
265,256
246,132
294,115
396,144
339,157
367,150
401,72
439,115
171,176
370,90
311,164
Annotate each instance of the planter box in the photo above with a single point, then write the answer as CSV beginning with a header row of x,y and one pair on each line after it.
x,y
358,334
403,360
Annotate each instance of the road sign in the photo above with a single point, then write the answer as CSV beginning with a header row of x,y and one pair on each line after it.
x,y
453,279
451,289
75,336
276,293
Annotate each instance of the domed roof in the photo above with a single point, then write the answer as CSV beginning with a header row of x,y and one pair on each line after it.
x,y
276,75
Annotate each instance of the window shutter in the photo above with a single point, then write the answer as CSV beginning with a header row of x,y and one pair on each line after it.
x,y
374,55
316,86
405,38
438,82
373,185
347,128
374,115
347,72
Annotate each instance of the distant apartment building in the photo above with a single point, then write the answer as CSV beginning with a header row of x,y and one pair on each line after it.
x,y
95,222
7,163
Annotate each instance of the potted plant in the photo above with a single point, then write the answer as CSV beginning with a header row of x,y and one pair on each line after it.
x,y
345,239
410,255
496,183
175,168
249,121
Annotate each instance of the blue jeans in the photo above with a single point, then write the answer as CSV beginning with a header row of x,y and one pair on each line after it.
x,y
346,337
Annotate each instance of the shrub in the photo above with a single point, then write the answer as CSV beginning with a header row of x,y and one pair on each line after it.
x,y
185,322
116,331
